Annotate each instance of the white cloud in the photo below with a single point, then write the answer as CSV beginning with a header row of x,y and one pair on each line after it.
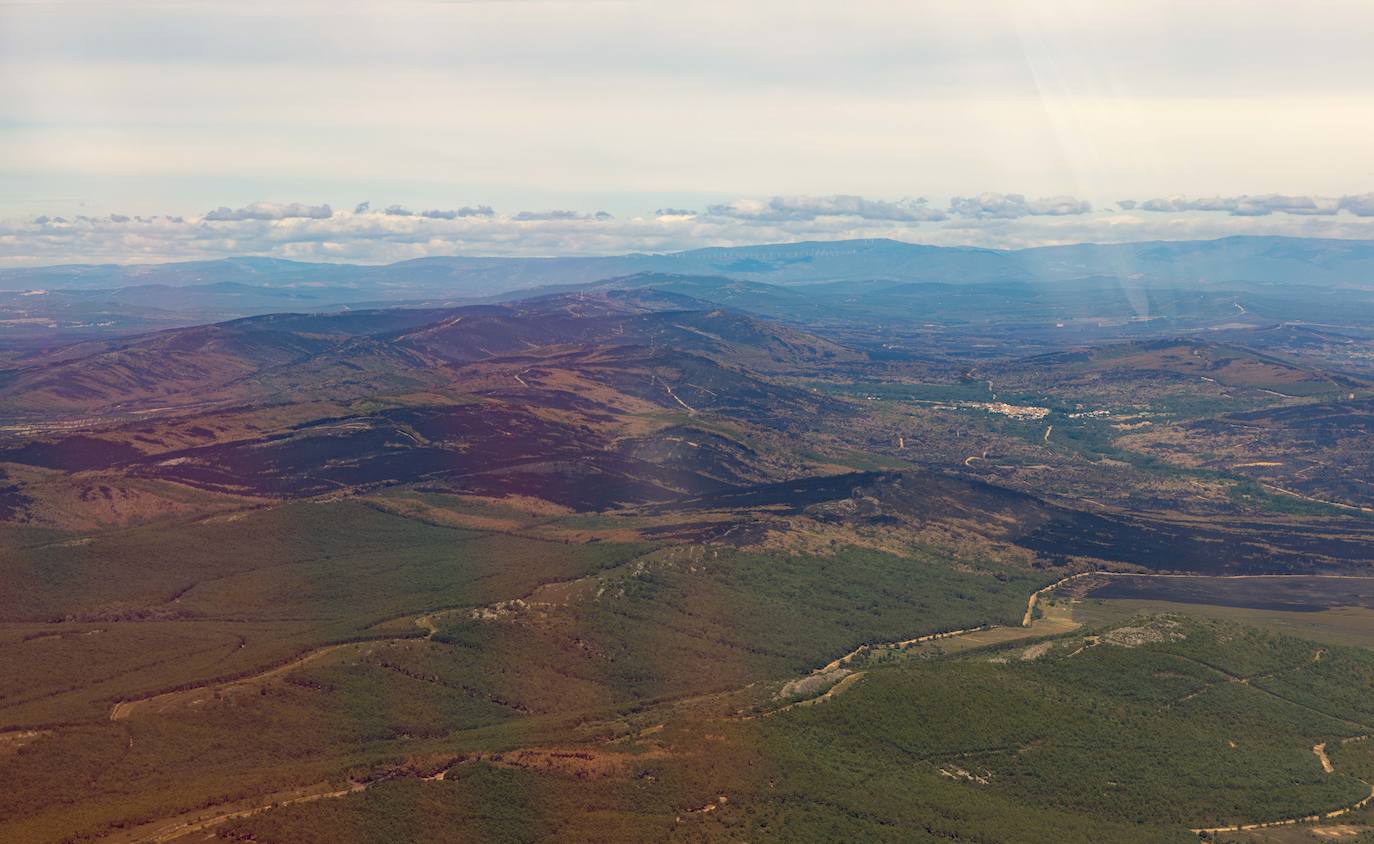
x,y
1009,206
270,211
542,216
795,208
454,213
1361,205
1058,206
1261,205
433,213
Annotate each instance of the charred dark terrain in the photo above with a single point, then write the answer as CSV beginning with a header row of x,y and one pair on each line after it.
x,y
667,547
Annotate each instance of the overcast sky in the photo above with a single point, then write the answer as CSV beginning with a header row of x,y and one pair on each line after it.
x,y
685,124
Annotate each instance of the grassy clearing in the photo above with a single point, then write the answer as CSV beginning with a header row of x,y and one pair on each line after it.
x,y
1353,626
1055,619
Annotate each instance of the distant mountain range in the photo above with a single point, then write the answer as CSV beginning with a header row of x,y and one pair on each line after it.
x,y
1249,258
99,299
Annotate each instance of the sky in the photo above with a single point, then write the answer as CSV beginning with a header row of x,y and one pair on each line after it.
x,y
144,131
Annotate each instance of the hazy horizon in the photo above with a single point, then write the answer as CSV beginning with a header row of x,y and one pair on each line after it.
x,y
742,246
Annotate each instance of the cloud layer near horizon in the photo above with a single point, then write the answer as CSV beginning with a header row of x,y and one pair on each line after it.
x,y
319,232
1361,205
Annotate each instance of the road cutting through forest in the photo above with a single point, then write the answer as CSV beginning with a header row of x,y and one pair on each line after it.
x,y
1319,750
1027,625
188,823
191,822
124,708
425,621
1334,813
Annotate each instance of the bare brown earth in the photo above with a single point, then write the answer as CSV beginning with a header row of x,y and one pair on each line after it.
x,y
12,740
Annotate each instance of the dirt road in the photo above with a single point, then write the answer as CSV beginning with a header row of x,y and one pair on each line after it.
x,y
171,829
1334,813
125,708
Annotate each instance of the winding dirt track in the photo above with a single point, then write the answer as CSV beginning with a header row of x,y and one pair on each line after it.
x,y
125,708
931,637
1319,750
1335,813
170,829
425,621
1339,504
173,828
